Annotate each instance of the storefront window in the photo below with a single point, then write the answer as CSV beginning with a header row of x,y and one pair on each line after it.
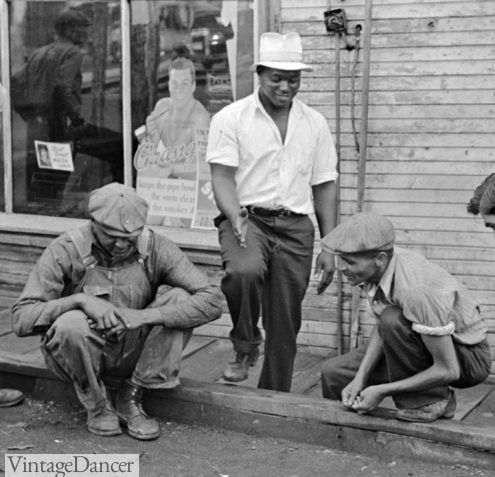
x,y
66,102
188,60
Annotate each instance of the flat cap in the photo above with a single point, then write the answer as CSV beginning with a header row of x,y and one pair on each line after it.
x,y
360,233
118,208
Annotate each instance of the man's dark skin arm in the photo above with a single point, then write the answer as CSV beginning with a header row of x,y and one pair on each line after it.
x,y
224,189
444,370
325,196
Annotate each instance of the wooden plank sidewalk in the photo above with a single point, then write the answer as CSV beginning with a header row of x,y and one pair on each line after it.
x,y
205,358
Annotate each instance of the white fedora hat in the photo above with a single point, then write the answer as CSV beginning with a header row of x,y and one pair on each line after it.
x,y
281,52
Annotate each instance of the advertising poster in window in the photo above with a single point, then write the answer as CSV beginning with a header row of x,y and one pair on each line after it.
x,y
200,54
168,159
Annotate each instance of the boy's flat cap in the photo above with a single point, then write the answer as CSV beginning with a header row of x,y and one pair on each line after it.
x,y
360,233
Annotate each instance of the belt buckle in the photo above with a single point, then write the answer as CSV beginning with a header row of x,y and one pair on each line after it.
x,y
283,212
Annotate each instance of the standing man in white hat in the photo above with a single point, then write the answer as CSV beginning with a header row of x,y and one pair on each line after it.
x,y
270,154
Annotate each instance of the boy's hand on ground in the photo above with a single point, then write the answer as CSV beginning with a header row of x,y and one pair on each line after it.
x,y
350,393
367,400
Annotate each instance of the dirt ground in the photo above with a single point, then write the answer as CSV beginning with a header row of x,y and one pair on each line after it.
x,y
194,451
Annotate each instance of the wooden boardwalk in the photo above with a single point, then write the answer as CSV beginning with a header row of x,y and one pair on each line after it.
x,y
204,359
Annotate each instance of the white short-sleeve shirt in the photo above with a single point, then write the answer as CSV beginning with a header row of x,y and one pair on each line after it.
x,y
270,173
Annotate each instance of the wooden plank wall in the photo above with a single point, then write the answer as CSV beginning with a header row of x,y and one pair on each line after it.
x,y
431,128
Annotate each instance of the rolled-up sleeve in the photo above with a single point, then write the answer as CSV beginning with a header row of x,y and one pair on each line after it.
x,y
173,268
325,159
430,311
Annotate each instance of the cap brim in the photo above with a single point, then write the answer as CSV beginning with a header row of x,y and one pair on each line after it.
x,y
283,65
119,233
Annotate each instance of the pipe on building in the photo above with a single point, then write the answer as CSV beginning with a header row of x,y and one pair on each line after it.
x,y
363,142
337,202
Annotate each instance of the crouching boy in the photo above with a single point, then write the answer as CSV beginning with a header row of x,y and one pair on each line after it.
x,y
428,337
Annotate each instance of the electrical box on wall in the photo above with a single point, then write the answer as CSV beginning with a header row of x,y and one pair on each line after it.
x,y
335,20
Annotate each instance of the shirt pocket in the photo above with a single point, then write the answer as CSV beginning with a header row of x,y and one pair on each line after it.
x,y
303,157
304,167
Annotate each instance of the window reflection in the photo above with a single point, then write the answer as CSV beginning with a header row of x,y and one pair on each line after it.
x,y
188,60
66,103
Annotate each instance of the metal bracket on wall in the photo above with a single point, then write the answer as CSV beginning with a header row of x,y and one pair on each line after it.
x,y
336,23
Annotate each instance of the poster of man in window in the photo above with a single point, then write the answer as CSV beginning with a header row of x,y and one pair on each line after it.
x,y
200,60
169,161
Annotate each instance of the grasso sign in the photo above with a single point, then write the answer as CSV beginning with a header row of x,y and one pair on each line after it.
x,y
66,465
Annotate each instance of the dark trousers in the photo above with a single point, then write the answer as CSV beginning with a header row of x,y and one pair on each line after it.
x,y
405,355
270,275
150,355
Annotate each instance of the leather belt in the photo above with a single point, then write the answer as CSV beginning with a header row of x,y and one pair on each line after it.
x,y
272,212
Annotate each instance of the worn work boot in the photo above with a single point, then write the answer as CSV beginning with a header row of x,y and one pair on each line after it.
x,y
431,412
10,397
237,370
104,422
139,424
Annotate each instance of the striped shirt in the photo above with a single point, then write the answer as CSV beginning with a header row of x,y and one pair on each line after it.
x,y
431,298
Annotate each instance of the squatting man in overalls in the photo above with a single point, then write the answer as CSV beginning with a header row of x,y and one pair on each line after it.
x,y
429,335
94,294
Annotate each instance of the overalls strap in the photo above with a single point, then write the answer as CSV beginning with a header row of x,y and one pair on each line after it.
x,y
143,247
143,243
82,238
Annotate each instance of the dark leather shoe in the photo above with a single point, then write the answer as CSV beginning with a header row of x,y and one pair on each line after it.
x,y
237,370
104,422
10,397
139,424
431,412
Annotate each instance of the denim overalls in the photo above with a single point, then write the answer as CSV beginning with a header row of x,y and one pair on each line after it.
x,y
150,356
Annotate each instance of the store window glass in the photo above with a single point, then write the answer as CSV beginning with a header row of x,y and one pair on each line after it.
x,y
66,103
189,59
